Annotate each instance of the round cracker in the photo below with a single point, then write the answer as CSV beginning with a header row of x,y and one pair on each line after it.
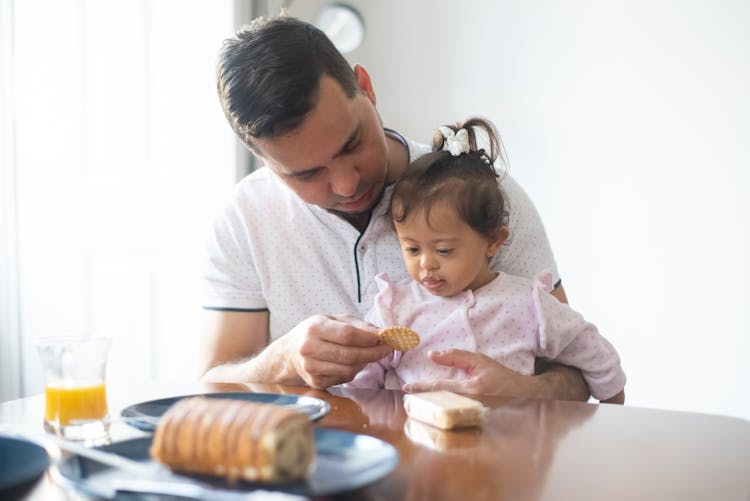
x,y
399,337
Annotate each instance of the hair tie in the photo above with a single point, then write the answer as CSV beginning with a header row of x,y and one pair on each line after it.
x,y
455,142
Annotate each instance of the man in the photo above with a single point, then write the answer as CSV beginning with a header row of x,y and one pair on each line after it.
x,y
295,250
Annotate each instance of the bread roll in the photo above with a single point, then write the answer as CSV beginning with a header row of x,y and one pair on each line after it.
x,y
235,439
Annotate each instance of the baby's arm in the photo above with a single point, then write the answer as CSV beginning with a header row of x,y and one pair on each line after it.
x,y
566,337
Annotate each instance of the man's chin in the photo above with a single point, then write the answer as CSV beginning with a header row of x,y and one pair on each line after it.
x,y
349,214
361,210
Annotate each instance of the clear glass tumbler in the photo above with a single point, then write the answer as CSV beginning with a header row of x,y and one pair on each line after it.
x,y
75,392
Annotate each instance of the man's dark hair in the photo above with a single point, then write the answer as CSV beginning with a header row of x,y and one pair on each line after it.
x,y
268,75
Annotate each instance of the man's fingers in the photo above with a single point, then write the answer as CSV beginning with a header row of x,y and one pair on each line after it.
x,y
332,349
354,356
321,374
325,364
361,334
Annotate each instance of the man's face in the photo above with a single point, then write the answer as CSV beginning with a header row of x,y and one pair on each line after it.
x,y
338,157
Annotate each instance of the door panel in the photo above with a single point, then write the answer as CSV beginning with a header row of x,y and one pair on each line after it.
x,y
123,156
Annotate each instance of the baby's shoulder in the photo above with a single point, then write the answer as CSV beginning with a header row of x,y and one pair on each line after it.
x,y
509,284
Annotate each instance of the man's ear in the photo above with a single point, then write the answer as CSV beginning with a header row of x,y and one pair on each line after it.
x,y
502,235
364,81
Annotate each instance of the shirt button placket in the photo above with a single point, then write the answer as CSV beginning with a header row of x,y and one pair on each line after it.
x,y
368,269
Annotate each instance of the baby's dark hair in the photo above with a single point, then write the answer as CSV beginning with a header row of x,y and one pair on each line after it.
x,y
468,181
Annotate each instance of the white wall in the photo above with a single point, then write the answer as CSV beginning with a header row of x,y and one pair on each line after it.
x,y
10,367
121,156
629,125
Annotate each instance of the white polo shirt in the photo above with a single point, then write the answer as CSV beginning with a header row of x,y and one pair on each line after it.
x,y
269,250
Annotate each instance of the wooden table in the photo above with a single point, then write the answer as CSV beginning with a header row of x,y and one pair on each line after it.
x,y
527,450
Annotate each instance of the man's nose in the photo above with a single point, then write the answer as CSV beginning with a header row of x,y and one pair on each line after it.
x,y
345,180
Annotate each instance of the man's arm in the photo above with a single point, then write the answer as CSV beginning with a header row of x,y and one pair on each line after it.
x,y
561,382
321,351
233,342
617,399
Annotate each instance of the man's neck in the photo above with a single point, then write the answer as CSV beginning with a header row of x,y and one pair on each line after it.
x,y
359,221
398,159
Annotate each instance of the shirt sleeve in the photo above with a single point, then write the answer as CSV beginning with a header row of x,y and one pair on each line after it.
x,y
230,278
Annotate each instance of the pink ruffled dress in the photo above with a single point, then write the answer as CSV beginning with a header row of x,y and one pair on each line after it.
x,y
511,319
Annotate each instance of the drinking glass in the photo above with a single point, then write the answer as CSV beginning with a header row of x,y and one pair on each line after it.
x,y
75,392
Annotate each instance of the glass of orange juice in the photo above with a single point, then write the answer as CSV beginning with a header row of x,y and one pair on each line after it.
x,y
75,392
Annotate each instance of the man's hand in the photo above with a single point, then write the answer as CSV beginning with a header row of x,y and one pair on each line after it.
x,y
488,377
326,350
321,351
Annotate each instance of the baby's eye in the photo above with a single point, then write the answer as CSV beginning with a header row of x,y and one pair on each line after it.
x,y
444,252
412,250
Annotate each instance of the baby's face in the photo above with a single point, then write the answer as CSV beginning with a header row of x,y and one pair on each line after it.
x,y
445,254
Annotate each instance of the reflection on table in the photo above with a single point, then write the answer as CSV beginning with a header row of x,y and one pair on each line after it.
x,y
527,449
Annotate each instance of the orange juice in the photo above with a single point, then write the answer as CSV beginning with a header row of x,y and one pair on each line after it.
x,y
69,405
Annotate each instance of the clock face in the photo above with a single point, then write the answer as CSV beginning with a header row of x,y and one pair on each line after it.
x,y
343,25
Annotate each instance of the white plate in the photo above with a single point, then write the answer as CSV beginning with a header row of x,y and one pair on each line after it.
x,y
145,415
21,462
344,461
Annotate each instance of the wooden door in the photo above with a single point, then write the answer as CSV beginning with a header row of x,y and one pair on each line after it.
x,y
122,155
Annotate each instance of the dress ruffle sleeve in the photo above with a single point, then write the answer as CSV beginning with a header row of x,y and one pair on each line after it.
x,y
381,312
373,375
566,337
541,286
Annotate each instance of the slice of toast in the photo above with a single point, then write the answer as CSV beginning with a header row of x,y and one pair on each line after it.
x,y
443,440
445,409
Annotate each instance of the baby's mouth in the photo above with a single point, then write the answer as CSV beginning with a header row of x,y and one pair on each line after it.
x,y
432,283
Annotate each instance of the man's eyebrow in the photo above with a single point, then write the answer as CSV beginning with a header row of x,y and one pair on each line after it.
x,y
303,173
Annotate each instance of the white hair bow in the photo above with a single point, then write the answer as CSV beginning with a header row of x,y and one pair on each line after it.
x,y
455,142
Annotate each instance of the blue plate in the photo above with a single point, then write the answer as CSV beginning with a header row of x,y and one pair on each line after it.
x,y
21,462
145,416
344,461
